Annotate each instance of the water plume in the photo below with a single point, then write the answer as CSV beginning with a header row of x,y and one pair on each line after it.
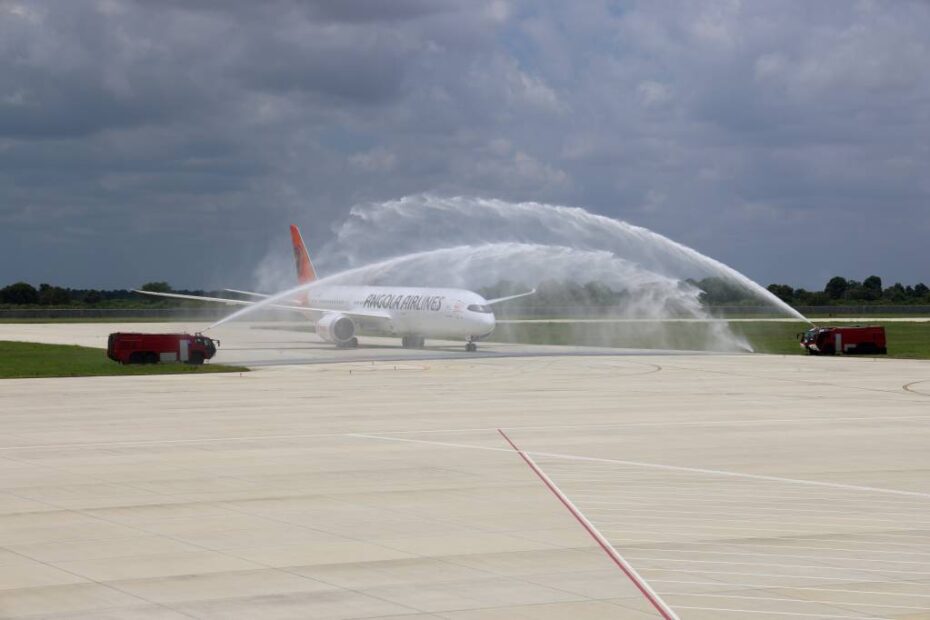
x,y
424,221
473,243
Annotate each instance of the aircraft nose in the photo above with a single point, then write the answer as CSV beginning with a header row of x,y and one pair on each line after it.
x,y
487,323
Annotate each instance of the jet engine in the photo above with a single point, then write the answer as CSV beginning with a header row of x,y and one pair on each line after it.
x,y
338,329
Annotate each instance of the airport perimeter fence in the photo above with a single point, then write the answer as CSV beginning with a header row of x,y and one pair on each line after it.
x,y
502,312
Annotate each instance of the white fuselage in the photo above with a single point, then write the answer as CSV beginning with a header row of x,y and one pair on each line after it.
x,y
410,311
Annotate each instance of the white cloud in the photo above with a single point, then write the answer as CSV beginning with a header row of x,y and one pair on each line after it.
x,y
534,91
497,11
17,98
771,66
531,170
654,200
378,159
653,94
718,23
23,11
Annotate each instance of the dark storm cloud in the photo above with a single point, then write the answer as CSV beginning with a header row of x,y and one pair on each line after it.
x,y
375,10
366,71
174,140
73,70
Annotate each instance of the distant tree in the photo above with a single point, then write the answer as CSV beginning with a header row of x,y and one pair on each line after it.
x,y
836,288
92,297
802,297
599,294
873,287
782,291
19,293
718,292
921,290
503,288
560,293
819,298
896,293
53,295
856,291
157,287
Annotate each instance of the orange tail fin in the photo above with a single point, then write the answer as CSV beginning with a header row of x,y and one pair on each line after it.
x,y
305,271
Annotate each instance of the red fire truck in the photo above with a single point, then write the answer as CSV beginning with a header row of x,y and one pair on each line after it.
x,y
135,348
869,340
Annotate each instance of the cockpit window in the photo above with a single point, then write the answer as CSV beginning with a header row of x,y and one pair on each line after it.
x,y
811,335
480,308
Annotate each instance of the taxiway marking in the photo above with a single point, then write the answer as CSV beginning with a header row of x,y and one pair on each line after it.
x,y
663,467
641,584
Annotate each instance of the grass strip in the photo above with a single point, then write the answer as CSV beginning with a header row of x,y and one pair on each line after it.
x,y
20,360
905,340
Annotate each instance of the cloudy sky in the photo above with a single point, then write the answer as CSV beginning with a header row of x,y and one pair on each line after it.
x,y
148,140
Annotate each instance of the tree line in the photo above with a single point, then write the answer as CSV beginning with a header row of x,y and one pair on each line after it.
x,y
720,292
715,292
839,291
23,294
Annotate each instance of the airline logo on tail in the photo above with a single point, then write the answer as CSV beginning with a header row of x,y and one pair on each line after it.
x,y
305,271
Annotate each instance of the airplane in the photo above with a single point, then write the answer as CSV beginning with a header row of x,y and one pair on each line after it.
x,y
342,312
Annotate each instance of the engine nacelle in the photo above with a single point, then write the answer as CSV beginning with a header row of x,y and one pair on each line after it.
x,y
337,328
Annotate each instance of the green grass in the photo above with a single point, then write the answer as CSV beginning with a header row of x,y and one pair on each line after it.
x,y
905,340
29,359
112,319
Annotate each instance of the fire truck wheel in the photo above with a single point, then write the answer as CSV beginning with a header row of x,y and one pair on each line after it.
x,y
151,358
196,359
136,358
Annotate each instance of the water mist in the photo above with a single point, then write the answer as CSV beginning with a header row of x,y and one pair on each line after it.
x,y
472,243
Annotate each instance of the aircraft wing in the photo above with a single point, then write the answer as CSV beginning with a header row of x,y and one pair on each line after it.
x,y
253,294
491,302
250,293
366,314
217,300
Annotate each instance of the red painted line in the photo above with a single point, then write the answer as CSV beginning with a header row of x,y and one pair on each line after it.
x,y
661,606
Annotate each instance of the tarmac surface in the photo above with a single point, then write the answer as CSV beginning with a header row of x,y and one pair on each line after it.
x,y
376,485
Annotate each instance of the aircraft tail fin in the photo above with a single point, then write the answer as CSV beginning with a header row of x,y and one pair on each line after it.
x,y
305,271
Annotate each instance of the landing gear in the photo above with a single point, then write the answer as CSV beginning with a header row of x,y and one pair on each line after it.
x,y
471,347
413,342
351,343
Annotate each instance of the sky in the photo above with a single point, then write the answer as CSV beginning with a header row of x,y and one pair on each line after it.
x,y
171,140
